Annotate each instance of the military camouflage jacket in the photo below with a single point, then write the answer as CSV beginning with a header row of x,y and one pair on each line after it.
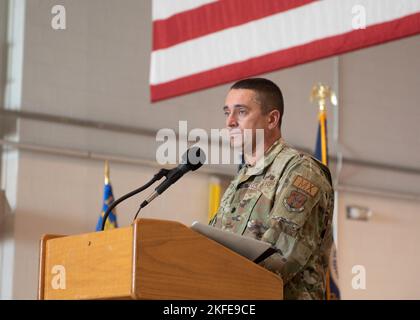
x,y
288,203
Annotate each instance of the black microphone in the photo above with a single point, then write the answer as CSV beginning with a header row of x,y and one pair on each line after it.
x,y
162,173
193,159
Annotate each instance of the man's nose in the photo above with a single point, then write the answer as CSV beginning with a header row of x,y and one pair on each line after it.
x,y
231,121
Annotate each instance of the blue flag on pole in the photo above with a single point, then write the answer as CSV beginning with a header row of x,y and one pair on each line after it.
x,y
108,199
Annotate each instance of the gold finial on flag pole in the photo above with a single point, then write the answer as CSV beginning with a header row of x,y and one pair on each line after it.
x,y
106,172
321,93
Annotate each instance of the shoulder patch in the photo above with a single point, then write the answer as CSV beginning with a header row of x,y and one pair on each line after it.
x,y
306,186
295,201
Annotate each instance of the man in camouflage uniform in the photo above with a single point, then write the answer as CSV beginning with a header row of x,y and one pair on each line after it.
x,y
289,203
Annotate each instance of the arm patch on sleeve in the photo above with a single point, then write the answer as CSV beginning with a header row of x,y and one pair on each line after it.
x,y
295,201
306,186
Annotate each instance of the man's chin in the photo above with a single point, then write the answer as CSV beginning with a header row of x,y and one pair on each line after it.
x,y
236,142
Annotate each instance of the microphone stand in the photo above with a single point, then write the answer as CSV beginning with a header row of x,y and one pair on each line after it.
x,y
162,173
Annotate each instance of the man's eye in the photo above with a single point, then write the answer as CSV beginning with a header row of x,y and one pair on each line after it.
x,y
226,113
242,112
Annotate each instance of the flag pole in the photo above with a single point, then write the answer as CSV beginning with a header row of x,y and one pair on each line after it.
x,y
321,93
106,172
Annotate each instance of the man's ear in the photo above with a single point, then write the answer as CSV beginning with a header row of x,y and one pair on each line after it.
x,y
273,119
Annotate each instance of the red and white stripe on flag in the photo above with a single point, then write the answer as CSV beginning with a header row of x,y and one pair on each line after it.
x,y
202,43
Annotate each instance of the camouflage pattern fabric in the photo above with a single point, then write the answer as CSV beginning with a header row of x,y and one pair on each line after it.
x,y
288,203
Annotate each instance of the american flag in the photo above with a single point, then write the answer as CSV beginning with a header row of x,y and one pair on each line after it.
x,y
202,43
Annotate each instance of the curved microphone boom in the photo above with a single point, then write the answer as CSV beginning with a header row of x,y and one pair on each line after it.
x,y
162,173
193,159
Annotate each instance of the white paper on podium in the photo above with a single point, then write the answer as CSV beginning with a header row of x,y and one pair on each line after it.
x,y
249,248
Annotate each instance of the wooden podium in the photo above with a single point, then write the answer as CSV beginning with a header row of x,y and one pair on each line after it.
x,y
153,259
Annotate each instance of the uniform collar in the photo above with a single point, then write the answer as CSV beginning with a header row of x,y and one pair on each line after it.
x,y
265,161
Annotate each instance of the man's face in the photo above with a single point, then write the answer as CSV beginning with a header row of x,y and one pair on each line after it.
x,y
243,111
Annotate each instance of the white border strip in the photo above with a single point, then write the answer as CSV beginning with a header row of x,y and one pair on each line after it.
x,y
15,38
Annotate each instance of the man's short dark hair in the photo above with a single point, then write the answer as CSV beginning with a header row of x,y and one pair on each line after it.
x,y
268,94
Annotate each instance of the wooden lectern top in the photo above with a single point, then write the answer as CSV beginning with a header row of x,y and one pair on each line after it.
x,y
153,259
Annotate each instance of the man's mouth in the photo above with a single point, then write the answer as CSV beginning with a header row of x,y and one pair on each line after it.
x,y
235,132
